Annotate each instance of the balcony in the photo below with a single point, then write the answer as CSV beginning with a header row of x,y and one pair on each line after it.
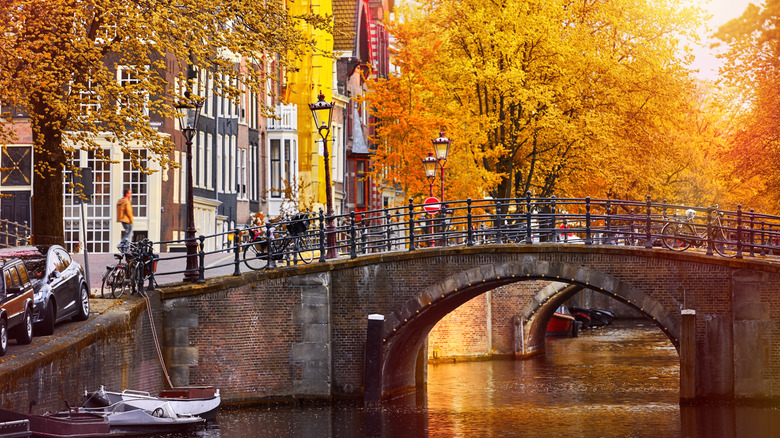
x,y
285,118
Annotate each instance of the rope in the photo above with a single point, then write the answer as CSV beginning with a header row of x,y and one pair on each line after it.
x,y
156,341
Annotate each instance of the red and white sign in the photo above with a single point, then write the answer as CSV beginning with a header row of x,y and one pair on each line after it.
x,y
432,205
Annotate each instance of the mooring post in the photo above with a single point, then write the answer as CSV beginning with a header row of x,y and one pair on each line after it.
x,y
373,371
688,355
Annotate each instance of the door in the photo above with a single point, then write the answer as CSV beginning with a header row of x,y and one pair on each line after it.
x,y
15,207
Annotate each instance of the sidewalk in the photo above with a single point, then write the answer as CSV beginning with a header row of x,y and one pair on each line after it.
x,y
169,262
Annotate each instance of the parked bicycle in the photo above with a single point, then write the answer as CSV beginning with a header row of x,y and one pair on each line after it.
x,y
293,243
682,234
135,266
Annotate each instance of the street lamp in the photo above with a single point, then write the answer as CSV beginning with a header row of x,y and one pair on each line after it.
x,y
319,110
430,163
441,147
189,113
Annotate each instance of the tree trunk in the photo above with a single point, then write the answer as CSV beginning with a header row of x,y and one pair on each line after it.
x,y
49,159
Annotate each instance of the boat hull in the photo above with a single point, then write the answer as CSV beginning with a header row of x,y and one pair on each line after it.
x,y
560,325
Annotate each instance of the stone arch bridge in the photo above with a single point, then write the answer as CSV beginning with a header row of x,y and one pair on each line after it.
x,y
357,328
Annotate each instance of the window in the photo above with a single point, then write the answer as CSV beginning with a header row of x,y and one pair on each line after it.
x,y
89,99
128,80
136,180
360,183
99,212
287,175
276,177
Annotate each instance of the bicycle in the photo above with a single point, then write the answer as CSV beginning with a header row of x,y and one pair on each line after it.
x,y
134,267
256,253
681,235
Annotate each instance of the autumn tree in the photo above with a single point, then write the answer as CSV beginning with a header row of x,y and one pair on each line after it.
x,y
565,98
59,62
752,69
409,118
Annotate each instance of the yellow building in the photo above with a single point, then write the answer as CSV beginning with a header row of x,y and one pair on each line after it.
x,y
315,74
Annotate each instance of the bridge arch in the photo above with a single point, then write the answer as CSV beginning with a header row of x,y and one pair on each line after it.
x,y
406,329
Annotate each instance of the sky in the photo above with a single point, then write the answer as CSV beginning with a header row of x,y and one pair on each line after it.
x,y
722,12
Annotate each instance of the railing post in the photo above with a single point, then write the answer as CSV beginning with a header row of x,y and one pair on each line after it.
x,y
528,238
739,231
752,232
588,240
388,230
236,251
608,223
649,229
469,225
269,245
411,224
202,260
352,236
710,242
498,222
444,226
322,236
552,222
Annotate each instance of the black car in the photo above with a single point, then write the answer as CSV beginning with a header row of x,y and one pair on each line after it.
x,y
59,283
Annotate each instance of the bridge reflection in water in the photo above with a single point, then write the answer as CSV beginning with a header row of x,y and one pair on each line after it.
x,y
618,381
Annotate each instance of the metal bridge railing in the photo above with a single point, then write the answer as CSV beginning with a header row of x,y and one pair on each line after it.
x,y
13,234
513,221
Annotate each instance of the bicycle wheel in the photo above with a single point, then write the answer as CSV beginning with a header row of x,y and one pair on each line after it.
x,y
677,237
725,242
138,278
256,255
306,251
114,283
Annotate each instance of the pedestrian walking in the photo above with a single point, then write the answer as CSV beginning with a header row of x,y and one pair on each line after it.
x,y
124,214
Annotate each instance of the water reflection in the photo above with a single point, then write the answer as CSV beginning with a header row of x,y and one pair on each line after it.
x,y
618,381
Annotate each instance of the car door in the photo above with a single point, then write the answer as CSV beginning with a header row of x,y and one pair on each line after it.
x,y
70,280
57,282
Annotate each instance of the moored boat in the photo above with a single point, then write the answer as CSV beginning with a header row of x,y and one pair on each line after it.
x,y
561,323
200,401
125,419
72,423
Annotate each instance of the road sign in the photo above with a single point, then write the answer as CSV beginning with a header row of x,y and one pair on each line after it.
x,y
431,205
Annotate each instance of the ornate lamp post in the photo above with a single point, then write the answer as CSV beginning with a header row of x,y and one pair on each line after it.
x,y
441,147
189,114
319,111
430,163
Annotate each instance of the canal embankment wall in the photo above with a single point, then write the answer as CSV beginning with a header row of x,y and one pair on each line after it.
x,y
115,348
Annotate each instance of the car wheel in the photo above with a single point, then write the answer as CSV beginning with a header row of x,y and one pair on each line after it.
x,y
46,326
3,337
83,304
24,332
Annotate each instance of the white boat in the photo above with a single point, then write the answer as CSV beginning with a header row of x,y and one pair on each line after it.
x,y
125,419
202,402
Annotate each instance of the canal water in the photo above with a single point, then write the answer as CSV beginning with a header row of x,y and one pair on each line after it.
x,y
616,381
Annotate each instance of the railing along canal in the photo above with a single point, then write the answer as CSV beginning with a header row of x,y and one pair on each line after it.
x,y
516,221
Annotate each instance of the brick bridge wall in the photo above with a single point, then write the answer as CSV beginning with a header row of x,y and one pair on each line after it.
x,y
300,332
